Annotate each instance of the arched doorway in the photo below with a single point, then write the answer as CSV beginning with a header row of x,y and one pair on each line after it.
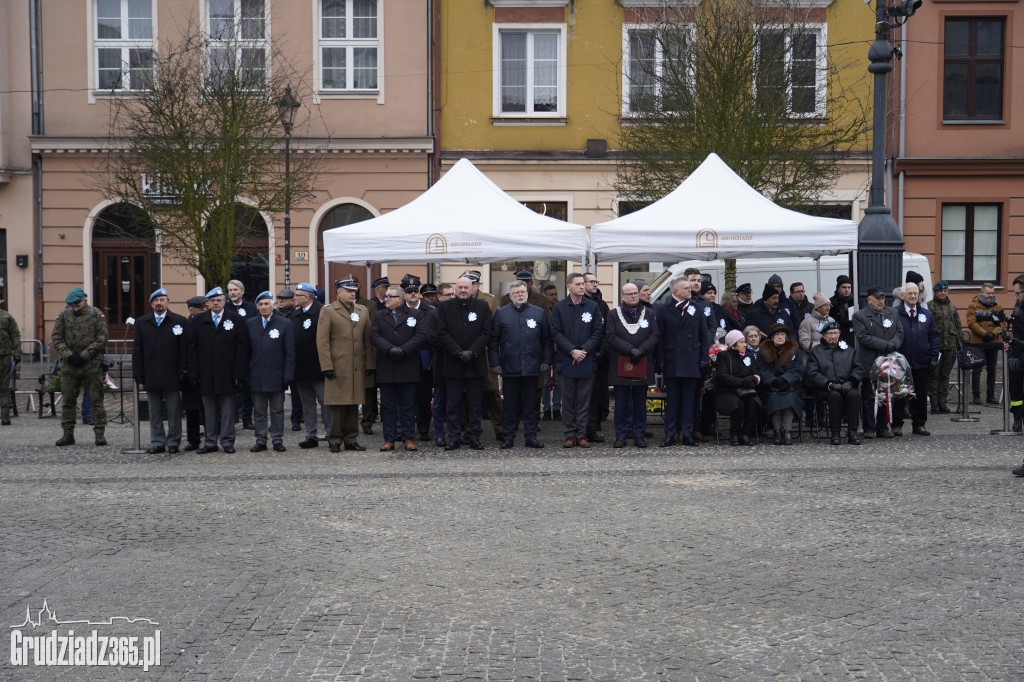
x,y
339,216
125,265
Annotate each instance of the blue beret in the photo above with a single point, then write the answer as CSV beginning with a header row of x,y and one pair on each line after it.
x,y
159,292
263,295
307,287
216,291
75,295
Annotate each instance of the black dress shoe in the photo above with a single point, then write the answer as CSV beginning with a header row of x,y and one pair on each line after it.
x,y
248,425
734,440
441,443
595,437
746,440
354,446
852,438
279,447
475,445
423,437
309,443
203,449
296,427
155,450
640,442
229,449
506,445
454,445
173,449
668,442
534,444
619,443
334,447
368,430
688,441
546,417
189,447
836,440
259,447
556,415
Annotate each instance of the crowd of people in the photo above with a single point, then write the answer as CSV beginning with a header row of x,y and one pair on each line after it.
x,y
444,358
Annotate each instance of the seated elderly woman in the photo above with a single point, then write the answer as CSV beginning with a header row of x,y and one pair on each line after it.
x,y
753,336
781,370
834,374
735,389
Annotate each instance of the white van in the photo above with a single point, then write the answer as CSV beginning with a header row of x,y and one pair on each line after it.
x,y
756,271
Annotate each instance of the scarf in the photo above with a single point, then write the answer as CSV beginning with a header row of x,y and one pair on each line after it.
x,y
632,313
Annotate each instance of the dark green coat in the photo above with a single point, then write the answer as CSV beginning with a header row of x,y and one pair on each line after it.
x,y
947,321
83,333
10,337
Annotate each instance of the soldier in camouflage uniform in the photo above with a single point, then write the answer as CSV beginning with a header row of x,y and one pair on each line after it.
x,y
10,352
947,321
80,337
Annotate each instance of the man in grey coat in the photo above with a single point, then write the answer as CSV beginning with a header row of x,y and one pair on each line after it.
x,y
878,332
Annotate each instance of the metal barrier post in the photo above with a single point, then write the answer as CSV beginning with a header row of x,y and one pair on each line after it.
x,y
964,415
1006,430
136,448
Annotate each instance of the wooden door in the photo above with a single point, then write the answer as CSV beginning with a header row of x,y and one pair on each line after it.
x,y
122,281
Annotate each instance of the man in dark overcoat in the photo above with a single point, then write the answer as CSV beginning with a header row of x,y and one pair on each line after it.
x,y
308,380
270,345
631,333
191,398
398,333
217,363
159,365
577,329
683,353
878,331
463,330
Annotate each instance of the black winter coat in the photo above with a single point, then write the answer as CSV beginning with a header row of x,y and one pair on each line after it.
x,y
576,326
521,342
620,342
732,373
785,363
245,310
159,354
685,339
191,398
763,319
217,354
832,364
271,352
307,357
464,325
409,333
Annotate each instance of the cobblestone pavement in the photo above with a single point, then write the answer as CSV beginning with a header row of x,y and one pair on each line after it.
x,y
894,560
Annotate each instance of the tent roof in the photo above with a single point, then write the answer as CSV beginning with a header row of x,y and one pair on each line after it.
x,y
715,214
463,218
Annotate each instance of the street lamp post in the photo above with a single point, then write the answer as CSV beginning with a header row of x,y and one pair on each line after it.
x,y
286,107
879,240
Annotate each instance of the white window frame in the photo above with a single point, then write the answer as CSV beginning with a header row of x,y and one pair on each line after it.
x,y
530,29
820,71
691,35
236,42
319,43
124,44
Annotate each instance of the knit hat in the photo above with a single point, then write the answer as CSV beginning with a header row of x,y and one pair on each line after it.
x,y
706,286
821,299
775,279
732,337
843,279
914,277
769,291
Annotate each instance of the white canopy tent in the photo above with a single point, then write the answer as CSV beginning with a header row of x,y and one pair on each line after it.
x,y
463,218
715,214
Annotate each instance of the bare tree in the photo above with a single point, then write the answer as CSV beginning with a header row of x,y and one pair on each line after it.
x,y
755,84
199,133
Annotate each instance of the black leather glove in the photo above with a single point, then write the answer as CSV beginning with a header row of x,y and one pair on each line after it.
x,y
845,387
369,372
599,355
496,369
989,337
396,353
643,352
76,360
778,383
328,374
749,382
933,363
890,347
635,354
466,356
854,382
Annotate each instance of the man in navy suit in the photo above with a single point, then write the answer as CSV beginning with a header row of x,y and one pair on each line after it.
x,y
398,333
158,365
270,341
683,355
921,349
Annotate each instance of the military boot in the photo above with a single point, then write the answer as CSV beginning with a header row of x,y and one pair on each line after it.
x,y
66,439
5,416
100,440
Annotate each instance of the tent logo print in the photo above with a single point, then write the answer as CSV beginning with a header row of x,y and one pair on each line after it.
x,y
436,245
707,239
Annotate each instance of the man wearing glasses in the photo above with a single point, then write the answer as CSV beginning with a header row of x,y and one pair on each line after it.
x,y
947,320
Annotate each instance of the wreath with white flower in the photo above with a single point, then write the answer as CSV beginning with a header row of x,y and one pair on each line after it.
x,y
354,317
177,330
746,361
471,317
241,311
274,333
531,323
411,322
886,323
644,323
307,323
921,318
843,345
229,325
587,317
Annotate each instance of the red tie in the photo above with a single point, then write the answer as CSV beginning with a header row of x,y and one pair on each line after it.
x,y
912,312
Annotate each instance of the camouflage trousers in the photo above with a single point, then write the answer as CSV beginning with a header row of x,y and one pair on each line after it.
x,y
5,382
70,387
